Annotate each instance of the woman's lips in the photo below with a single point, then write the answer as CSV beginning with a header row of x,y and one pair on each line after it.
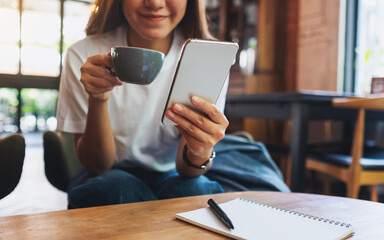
x,y
153,17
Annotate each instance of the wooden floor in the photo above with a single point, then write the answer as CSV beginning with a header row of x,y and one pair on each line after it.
x,y
34,193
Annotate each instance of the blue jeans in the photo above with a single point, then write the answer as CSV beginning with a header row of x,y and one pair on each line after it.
x,y
119,186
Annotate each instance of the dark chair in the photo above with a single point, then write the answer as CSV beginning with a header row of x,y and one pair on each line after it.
x,y
362,166
61,163
12,153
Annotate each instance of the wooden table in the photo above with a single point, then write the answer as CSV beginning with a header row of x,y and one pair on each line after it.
x,y
156,219
299,108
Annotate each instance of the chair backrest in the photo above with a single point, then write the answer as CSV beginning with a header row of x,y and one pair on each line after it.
x,y
61,163
375,102
12,153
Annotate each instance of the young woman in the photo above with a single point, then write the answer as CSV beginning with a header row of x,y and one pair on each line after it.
x,y
127,153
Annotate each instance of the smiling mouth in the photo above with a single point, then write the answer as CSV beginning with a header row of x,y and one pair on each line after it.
x,y
153,17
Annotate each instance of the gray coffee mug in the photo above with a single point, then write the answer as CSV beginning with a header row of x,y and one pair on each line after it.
x,y
136,65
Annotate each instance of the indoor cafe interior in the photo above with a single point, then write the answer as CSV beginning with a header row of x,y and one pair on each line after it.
x,y
307,83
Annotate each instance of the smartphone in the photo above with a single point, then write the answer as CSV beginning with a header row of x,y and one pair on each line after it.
x,y
202,70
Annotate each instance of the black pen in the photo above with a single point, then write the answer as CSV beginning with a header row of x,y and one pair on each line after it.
x,y
220,213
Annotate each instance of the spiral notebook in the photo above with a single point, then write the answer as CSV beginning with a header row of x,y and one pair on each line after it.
x,y
254,220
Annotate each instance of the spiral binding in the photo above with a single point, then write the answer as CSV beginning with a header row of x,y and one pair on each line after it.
x,y
320,219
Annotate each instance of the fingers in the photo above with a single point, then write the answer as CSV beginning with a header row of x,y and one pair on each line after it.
x,y
190,119
98,65
208,128
212,117
194,133
210,109
96,84
99,72
100,60
96,78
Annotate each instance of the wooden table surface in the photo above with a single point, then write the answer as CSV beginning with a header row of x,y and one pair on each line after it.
x,y
156,219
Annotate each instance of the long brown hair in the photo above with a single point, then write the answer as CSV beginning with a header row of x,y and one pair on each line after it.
x,y
108,15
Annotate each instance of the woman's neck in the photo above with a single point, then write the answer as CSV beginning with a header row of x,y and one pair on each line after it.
x,y
162,45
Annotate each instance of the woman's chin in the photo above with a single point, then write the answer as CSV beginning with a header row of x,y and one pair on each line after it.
x,y
155,36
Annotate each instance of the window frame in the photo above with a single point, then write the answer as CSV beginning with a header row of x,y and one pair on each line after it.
x,y
20,81
350,46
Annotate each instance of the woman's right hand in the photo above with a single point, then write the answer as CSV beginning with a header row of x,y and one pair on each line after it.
x,y
97,79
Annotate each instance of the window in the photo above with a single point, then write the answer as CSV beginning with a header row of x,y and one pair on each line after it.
x,y
34,36
8,109
369,44
40,38
364,45
9,39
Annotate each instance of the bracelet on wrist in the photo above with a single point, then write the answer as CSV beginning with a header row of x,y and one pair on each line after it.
x,y
202,166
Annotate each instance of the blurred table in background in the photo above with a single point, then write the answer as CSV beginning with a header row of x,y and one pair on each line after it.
x,y
300,108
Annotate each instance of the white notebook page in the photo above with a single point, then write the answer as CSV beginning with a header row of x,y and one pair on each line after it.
x,y
254,220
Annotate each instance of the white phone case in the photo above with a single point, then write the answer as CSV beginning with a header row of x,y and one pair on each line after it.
x,y
202,70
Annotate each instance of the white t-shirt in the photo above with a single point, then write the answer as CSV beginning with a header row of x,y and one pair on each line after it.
x,y
135,110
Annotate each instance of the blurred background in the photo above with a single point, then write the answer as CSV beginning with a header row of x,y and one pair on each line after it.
x,y
285,45
36,33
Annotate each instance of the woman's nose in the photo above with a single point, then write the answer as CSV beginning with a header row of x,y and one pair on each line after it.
x,y
155,4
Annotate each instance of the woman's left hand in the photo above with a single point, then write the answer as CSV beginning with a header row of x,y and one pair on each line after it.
x,y
200,132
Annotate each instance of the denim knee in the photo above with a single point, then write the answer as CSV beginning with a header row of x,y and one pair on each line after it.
x,y
113,187
172,185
